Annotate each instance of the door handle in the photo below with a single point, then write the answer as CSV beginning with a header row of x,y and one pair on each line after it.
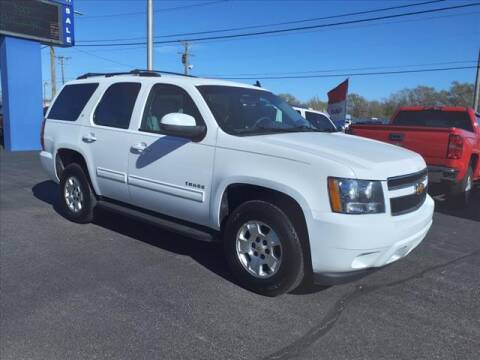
x,y
140,147
89,138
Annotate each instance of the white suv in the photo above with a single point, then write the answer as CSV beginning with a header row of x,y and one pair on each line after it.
x,y
218,160
318,119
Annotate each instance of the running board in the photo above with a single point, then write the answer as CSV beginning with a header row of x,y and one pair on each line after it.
x,y
158,220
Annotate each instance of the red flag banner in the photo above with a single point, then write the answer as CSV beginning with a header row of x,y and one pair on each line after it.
x,y
337,102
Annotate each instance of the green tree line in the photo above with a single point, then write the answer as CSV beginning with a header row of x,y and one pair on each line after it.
x,y
459,94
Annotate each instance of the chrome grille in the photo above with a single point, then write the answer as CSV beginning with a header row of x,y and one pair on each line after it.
x,y
406,203
399,182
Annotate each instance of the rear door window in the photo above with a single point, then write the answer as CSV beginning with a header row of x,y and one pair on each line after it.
x,y
116,107
71,101
434,118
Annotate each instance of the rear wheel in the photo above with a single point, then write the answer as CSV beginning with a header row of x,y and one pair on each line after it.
x,y
77,199
263,249
462,192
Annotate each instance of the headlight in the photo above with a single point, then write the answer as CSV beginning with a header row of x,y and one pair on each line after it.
x,y
350,196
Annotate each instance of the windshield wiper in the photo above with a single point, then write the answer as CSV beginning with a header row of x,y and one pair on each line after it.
x,y
262,130
302,128
309,129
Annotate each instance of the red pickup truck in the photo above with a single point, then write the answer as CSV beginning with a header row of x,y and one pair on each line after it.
x,y
448,138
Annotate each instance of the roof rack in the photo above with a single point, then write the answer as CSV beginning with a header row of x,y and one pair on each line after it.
x,y
138,72
172,73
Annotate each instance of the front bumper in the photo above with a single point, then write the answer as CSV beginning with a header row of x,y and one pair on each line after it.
x,y
346,247
330,279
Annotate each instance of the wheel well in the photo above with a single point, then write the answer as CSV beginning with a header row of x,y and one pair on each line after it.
x,y
66,157
474,162
237,194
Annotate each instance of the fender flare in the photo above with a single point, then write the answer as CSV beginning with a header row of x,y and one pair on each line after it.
x,y
77,149
247,180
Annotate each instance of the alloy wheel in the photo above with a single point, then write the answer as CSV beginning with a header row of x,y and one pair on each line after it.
x,y
259,249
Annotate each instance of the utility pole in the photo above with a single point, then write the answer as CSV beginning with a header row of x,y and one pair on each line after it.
x,y
476,91
62,64
45,83
149,34
53,72
186,57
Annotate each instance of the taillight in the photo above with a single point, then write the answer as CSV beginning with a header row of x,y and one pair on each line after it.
x,y
42,132
455,147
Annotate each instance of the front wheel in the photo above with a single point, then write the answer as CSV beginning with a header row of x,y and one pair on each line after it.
x,y
263,249
77,200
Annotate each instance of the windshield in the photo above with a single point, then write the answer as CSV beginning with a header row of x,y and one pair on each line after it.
x,y
242,111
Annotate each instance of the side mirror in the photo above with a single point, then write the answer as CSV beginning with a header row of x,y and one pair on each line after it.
x,y
182,125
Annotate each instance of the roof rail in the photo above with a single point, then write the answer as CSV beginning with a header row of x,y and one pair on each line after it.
x,y
138,72
166,72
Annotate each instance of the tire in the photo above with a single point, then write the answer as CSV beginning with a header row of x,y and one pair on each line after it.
x,y
259,220
462,192
75,189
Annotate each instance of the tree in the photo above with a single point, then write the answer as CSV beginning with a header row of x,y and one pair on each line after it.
x,y
357,106
316,104
292,100
459,94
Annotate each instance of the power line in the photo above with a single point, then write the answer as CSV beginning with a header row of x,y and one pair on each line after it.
x,y
118,47
352,74
313,72
322,25
349,27
156,11
278,31
104,58
274,24
316,75
302,21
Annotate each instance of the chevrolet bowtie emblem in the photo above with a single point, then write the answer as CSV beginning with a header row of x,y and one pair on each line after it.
x,y
419,188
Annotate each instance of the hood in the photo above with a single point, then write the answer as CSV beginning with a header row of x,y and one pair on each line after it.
x,y
368,159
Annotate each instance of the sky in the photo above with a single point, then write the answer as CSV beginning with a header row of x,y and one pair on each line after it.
x,y
434,40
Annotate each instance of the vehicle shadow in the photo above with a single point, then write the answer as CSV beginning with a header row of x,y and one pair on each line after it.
x,y
209,255
472,212
158,149
47,191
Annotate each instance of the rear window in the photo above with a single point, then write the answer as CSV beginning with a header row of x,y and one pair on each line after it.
x,y
71,101
434,118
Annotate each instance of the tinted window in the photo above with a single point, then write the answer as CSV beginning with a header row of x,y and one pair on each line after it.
x,y
244,111
165,99
116,107
71,101
320,121
434,118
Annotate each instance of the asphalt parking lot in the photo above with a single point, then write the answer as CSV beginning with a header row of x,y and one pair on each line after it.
x,y
121,289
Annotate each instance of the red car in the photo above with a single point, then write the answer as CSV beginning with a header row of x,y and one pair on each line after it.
x,y
448,138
